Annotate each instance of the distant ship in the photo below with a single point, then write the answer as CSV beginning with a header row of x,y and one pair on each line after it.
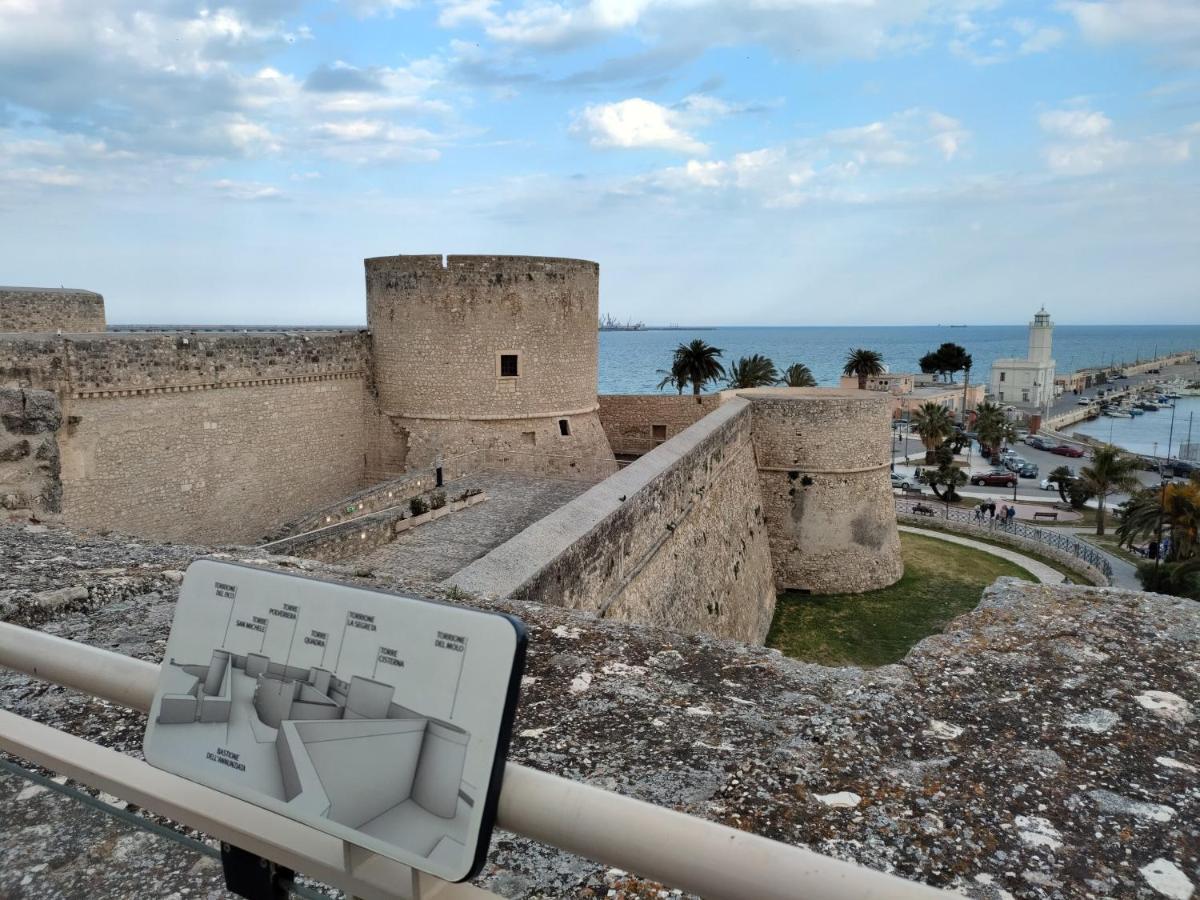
x,y
608,323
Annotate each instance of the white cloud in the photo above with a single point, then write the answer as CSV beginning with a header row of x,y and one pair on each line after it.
x,y
636,124
795,28
1083,143
1075,123
247,190
1173,25
366,8
455,13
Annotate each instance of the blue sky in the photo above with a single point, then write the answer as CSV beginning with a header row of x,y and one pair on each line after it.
x,y
751,162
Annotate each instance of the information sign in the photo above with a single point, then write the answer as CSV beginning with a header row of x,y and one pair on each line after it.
x,y
381,719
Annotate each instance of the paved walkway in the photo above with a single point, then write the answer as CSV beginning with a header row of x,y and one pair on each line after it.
x,y
1124,572
436,550
1038,570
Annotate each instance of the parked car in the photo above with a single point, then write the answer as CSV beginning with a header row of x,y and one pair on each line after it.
x,y
901,481
1083,401
994,479
1047,485
1036,442
1066,450
1015,463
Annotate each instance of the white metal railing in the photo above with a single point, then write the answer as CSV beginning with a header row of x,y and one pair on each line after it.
x,y
678,850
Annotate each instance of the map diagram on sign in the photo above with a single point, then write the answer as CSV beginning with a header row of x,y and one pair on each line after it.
x,y
374,717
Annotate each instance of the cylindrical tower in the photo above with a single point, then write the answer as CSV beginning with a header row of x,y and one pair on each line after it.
x,y
486,353
823,459
1041,331
34,309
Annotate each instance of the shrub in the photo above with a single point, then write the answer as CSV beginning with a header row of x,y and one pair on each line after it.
x,y
437,500
1182,579
418,506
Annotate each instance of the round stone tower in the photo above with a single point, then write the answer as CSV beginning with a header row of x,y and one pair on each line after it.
x,y
823,458
487,354
35,309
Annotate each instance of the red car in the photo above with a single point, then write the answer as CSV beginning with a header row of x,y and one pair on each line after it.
x,y
995,479
1064,450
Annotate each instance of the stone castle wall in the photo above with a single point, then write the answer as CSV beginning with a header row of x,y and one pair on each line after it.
x,y
200,437
439,332
677,538
823,461
30,485
637,423
35,310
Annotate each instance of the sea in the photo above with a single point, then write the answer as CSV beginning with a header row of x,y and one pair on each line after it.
x,y
631,361
1150,433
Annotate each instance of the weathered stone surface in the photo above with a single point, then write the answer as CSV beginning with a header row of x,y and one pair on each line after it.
x,y
676,539
966,756
823,459
30,482
438,331
50,309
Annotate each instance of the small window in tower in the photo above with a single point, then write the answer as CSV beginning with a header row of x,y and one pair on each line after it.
x,y
660,432
564,427
508,365
1001,376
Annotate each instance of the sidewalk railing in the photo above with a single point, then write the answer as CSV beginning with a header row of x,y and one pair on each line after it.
x,y
964,520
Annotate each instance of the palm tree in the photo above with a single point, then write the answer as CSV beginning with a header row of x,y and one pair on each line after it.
x,y
798,375
752,371
1176,506
1109,473
863,363
934,424
696,363
1061,478
992,426
675,377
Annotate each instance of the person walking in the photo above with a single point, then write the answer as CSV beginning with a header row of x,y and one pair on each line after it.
x,y
1003,513
1012,514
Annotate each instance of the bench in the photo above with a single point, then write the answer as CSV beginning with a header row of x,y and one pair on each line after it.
x,y
922,510
1046,515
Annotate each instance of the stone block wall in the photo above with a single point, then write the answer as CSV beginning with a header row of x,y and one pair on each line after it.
x,y
823,461
200,437
677,538
30,485
637,423
50,310
216,465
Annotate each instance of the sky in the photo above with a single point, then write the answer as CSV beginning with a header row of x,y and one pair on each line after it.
x,y
792,162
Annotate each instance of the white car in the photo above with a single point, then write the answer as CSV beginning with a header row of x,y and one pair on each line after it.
x,y
1083,401
1048,485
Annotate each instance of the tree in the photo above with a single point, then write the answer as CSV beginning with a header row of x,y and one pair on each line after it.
x,y
695,363
864,364
1070,489
753,371
1175,506
946,360
798,375
946,474
992,426
934,424
1109,473
675,377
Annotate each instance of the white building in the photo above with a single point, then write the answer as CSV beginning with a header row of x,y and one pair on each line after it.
x,y
1028,383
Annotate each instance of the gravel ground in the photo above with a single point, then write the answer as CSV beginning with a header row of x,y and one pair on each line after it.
x,y
1045,746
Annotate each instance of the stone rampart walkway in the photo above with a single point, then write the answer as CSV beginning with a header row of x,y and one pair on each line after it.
x,y
440,548
1037,569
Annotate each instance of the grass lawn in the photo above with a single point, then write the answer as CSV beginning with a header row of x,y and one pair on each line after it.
x,y
1072,576
1108,543
941,580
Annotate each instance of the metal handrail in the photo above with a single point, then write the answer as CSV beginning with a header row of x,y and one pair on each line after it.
x,y
678,850
1062,542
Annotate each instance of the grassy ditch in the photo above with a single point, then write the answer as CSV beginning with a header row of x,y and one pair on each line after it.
x,y
941,580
